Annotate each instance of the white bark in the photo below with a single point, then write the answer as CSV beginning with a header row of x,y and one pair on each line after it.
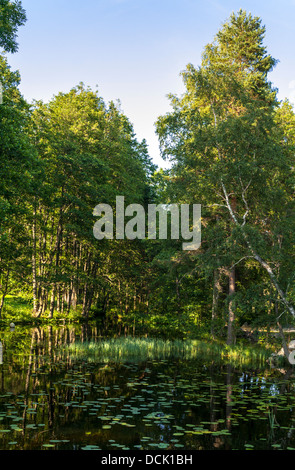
x,y
255,255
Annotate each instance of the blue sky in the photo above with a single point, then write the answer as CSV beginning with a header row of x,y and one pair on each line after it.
x,y
134,50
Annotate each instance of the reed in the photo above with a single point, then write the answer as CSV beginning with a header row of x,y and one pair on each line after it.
x,y
130,349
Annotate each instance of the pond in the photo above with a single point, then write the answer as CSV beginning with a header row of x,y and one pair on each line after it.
x,y
52,400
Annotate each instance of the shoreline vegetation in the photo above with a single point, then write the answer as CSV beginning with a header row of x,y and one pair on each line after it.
x,y
118,343
143,349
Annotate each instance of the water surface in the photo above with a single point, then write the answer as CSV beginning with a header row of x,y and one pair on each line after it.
x,y
51,400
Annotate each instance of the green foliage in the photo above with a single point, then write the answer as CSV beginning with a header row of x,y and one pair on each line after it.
x,y
140,349
17,309
17,158
12,15
232,150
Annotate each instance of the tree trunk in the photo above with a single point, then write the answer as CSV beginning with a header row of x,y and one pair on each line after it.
x,y
126,300
177,293
69,299
52,301
34,267
5,289
85,299
285,347
120,298
231,312
255,255
58,298
216,291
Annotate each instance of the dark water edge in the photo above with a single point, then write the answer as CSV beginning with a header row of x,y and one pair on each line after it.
x,y
50,400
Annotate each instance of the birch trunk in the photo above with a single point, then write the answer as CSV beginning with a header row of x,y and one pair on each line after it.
x,y
255,255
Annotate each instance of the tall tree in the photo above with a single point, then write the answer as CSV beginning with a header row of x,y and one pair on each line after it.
x,y
89,155
17,159
221,137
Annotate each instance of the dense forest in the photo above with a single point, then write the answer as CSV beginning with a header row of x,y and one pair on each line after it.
x,y
231,144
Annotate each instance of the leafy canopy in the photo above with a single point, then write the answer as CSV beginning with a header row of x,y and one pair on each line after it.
x,y
12,15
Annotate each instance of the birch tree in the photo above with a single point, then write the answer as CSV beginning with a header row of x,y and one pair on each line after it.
x,y
223,140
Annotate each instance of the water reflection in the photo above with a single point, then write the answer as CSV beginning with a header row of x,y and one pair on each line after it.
x,y
50,399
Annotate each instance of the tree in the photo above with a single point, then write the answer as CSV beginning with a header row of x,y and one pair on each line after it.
x,y
12,15
221,136
89,155
16,155
17,159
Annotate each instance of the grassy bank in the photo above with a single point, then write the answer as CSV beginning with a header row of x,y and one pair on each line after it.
x,y
19,310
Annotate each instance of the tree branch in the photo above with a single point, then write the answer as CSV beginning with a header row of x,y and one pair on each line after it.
x,y
255,255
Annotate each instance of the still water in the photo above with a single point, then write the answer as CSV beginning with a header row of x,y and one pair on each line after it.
x,y
50,400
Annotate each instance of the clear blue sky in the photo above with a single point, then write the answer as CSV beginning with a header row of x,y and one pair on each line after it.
x,y
134,50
